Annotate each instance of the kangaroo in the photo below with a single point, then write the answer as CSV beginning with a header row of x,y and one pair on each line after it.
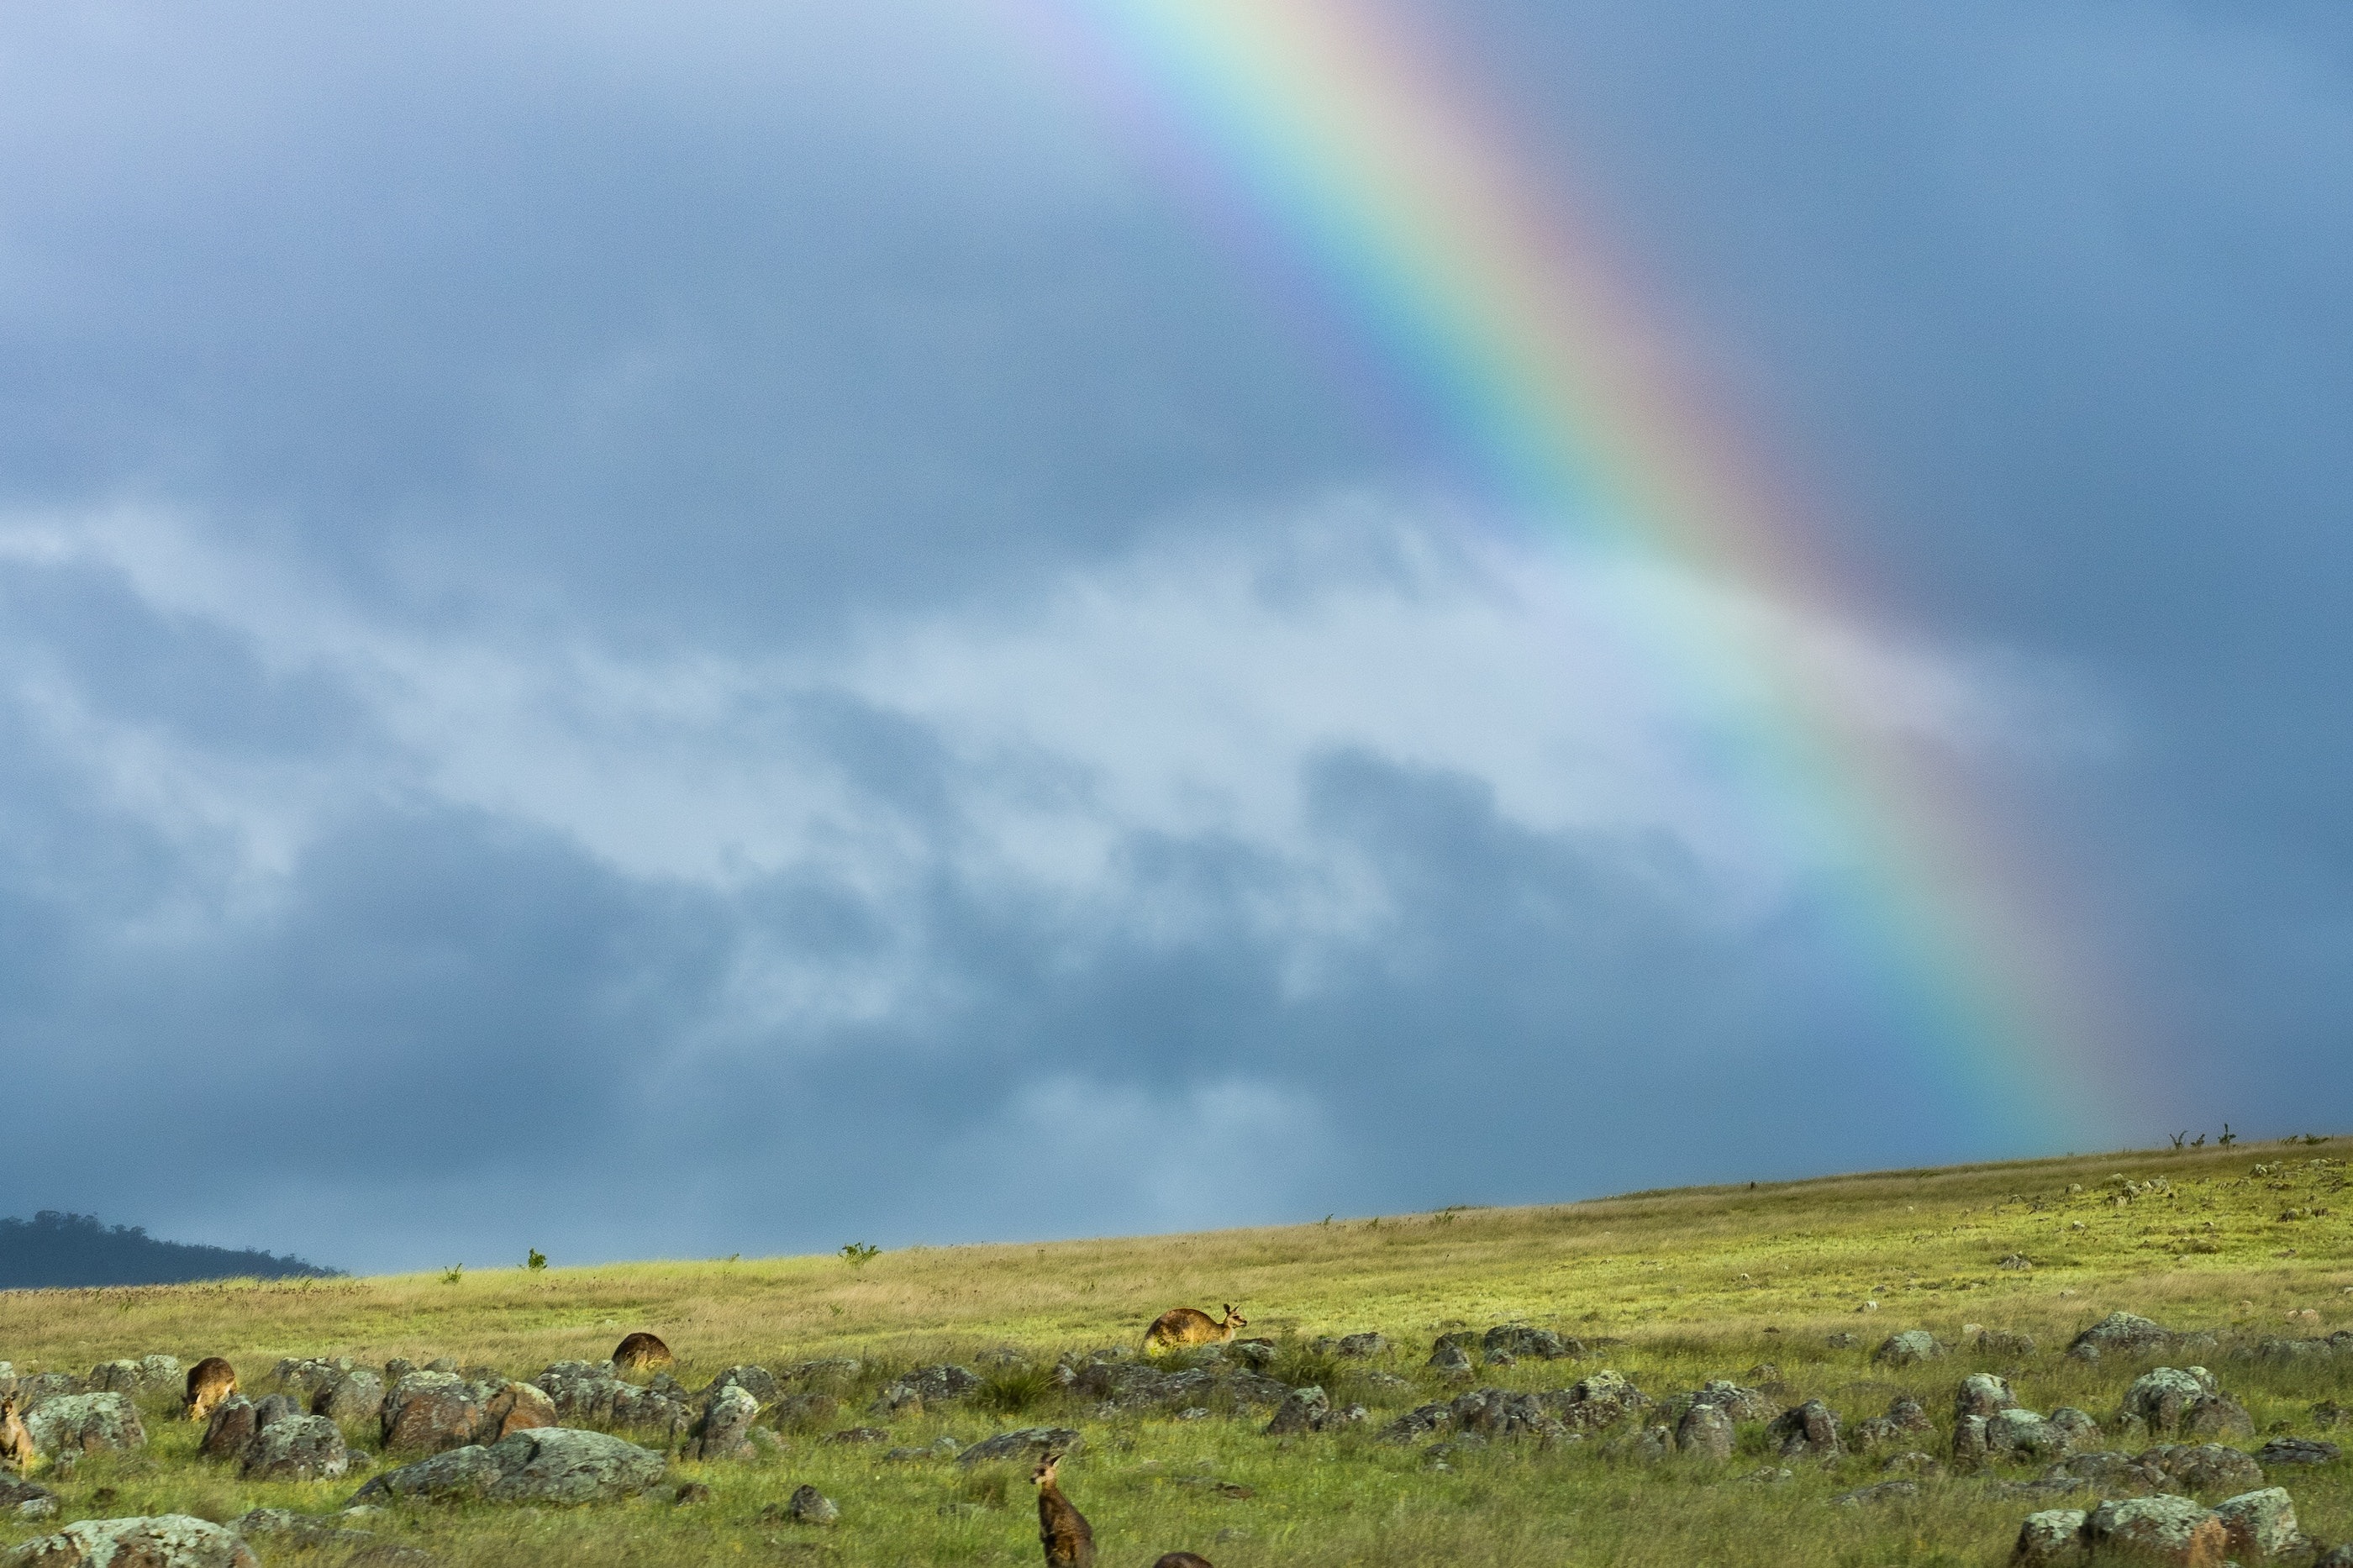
x,y
210,1381
1061,1529
640,1351
1191,1326
17,1450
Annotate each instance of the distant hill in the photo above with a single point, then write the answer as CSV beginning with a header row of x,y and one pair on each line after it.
x,y
52,1250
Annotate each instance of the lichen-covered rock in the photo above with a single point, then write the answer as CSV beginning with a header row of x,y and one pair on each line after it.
x,y
1739,1404
2262,1524
515,1407
2120,1334
1522,1340
756,1381
357,1395
1706,1431
587,1393
2076,1429
725,1430
1446,1357
2217,1416
809,1506
2170,1529
158,1541
305,1378
939,1384
1361,1344
1419,1421
2110,1472
2162,1397
430,1411
1998,1341
228,1432
1909,1348
1905,1418
1503,1413
85,1422
2204,1467
37,1389
1021,1442
1982,1393
1886,1492
274,1408
1595,1402
26,1499
2297,1451
1810,1431
1306,1411
806,1410
543,1465
302,1448
2050,1538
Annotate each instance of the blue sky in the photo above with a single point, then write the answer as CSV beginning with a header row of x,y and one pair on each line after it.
x,y
710,628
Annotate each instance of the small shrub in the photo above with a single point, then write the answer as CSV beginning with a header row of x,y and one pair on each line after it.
x,y
536,1262
452,1275
1010,1390
860,1254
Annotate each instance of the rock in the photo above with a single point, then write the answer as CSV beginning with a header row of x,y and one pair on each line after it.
x,y
26,1499
806,1411
2328,1413
2297,1451
725,1430
2204,1467
1905,1418
397,1368
41,1387
898,1398
587,1393
1597,1401
162,1540
1258,1353
1447,1357
357,1395
430,1411
1363,1344
2161,1398
274,1408
115,1377
1909,1348
2110,1472
809,1506
2170,1529
1982,1393
229,1430
852,1435
1739,1404
2120,1334
1840,1341
1886,1492
1914,1463
755,1381
543,1465
1994,1341
1969,1441
1305,1410
691,1493
301,1530
2076,1428
297,1448
1705,1430
1022,1443
2016,1434
1810,1431
305,1378
940,1384
2219,1417
1419,1421
1518,1340
2054,1536
86,1423
516,1407
2261,1524
1503,1413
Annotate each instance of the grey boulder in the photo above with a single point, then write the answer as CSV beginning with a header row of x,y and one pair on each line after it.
x,y
1021,1442
299,1448
158,1541
2262,1524
1909,1348
86,1423
2165,1528
542,1464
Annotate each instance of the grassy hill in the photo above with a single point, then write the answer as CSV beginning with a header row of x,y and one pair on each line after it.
x,y
1750,1283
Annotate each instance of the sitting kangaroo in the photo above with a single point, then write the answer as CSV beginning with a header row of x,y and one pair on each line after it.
x,y
640,1350
210,1381
1062,1529
17,1450
1191,1326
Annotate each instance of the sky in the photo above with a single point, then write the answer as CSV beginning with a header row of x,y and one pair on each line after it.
x,y
720,627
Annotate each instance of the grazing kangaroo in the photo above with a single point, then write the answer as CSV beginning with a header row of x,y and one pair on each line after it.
x,y
1182,1560
1061,1529
1191,1326
210,1381
17,1450
639,1351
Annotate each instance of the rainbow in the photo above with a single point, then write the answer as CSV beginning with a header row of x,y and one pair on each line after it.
x,y
1324,142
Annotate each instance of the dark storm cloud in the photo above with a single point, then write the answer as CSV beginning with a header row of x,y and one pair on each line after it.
x,y
723,629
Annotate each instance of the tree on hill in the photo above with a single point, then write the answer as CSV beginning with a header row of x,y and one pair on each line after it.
x,y
53,1249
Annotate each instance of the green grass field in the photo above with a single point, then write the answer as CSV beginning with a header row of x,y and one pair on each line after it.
x,y
1694,1284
